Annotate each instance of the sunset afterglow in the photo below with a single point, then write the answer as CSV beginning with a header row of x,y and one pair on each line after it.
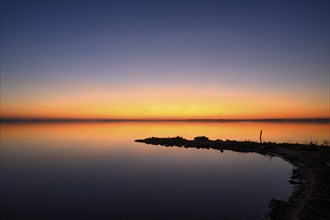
x,y
169,103
164,60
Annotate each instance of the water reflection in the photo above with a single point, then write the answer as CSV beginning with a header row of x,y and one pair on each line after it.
x,y
275,132
97,171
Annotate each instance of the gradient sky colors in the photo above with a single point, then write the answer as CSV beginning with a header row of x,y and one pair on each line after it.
x,y
165,59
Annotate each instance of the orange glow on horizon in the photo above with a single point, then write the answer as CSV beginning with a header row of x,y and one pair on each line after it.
x,y
174,103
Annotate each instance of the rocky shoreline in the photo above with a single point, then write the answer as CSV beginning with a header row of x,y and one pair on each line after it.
x,y
310,176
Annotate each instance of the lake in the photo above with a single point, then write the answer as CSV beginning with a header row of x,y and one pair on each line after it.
x,y
97,171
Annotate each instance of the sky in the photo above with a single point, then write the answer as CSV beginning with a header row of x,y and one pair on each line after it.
x,y
165,59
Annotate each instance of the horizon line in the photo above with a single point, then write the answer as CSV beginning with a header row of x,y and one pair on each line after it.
x,y
21,119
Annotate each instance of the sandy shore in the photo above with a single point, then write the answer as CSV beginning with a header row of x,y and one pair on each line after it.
x,y
310,176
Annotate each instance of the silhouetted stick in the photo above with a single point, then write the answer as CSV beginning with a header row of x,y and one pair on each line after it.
x,y
260,136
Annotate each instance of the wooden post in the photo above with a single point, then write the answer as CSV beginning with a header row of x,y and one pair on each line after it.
x,y
260,136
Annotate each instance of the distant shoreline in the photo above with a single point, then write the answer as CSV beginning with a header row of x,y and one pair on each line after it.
x,y
77,120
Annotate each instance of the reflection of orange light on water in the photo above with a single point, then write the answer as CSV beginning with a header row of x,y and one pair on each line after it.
x,y
127,132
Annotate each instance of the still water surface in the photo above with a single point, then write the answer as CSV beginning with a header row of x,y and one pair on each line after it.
x,y
97,171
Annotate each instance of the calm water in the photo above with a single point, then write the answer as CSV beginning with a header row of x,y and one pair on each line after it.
x,y
97,171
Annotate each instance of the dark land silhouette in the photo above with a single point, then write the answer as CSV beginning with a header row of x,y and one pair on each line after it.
x,y
310,175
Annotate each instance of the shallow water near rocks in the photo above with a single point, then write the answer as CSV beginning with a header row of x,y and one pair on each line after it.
x,y
97,171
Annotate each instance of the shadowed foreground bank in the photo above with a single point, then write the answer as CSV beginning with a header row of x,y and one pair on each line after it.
x,y
310,176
